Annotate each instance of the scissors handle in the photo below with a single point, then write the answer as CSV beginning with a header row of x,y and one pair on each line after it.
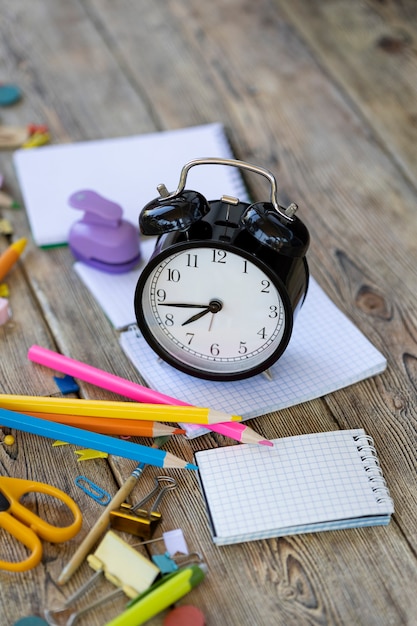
x,y
29,528
24,535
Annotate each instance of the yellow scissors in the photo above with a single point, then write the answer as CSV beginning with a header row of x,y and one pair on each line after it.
x,y
27,527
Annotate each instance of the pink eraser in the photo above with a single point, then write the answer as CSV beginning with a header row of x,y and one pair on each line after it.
x,y
4,311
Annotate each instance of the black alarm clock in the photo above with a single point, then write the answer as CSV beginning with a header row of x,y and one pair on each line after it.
x,y
218,298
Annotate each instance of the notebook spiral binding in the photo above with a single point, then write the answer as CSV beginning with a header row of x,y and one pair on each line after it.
x,y
133,328
369,458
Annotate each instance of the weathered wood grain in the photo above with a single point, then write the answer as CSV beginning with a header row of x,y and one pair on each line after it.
x,y
321,94
369,50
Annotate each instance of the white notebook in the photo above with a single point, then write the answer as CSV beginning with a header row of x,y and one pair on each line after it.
x,y
326,352
125,170
114,292
306,483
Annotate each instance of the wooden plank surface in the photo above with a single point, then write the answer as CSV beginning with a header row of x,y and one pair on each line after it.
x,y
369,50
321,94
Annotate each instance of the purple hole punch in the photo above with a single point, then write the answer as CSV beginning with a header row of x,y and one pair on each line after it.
x,y
102,238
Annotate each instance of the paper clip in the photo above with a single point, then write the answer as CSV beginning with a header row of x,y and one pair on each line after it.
x,y
94,491
122,565
140,522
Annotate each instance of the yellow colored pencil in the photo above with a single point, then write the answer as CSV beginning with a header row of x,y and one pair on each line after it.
x,y
111,408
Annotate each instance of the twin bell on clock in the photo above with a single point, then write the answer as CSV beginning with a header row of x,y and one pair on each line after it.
x,y
218,298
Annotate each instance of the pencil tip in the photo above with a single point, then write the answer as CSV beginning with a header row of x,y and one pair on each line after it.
x,y
191,466
62,578
266,442
20,245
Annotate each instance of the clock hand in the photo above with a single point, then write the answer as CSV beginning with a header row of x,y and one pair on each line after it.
x,y
184,305
196,317
214,307
211,322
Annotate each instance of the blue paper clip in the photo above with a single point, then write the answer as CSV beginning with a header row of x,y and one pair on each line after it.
x,y
97,493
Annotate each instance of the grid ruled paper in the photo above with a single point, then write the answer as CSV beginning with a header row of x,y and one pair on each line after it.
x,y
326,352
308,482
115,292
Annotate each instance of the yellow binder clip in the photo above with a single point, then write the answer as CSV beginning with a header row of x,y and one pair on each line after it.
x,y
137,521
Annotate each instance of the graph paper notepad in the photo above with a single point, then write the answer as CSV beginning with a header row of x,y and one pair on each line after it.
x,y
307,483
326,352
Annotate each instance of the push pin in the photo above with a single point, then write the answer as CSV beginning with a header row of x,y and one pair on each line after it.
x,y
140,522
7,441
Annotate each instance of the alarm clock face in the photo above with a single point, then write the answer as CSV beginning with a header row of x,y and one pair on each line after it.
x,y
212,311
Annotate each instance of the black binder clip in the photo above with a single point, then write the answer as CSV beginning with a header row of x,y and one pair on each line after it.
x,y
140,522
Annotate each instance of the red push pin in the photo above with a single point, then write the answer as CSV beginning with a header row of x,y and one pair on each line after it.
x,y
186,615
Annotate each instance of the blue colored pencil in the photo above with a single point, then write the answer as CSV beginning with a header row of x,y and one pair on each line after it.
x,y
96,441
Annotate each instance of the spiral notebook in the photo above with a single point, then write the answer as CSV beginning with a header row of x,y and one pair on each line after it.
x,y
306,483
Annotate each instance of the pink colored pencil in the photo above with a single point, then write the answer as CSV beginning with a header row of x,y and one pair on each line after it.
x,y
134,391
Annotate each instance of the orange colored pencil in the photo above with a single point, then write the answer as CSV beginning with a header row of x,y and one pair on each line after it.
x,y
111,426
10,256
